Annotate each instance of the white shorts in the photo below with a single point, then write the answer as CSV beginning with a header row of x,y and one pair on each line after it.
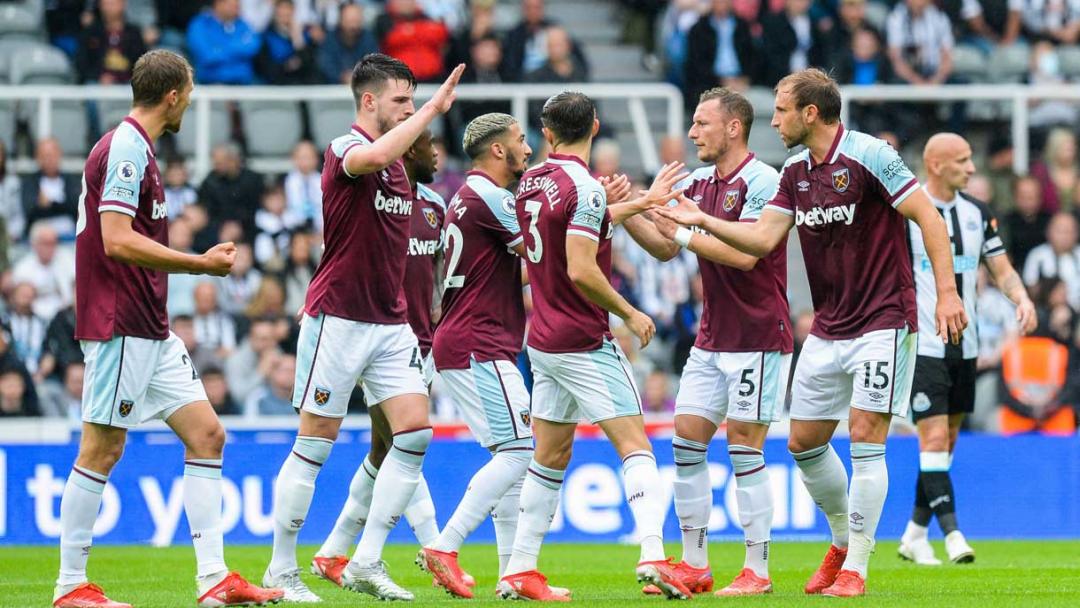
x,y
595,385
872,372
748,386
492,398
429,369
129,380
333,354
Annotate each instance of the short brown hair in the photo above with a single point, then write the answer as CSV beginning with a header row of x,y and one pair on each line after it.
x,y
155,74
813,87
734,104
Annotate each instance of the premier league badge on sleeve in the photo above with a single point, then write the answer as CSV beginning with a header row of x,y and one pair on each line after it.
x,y
841,179
126,171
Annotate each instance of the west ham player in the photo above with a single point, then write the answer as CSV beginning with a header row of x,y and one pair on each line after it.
x,y
425,247
136,369
849,195
579,370
479,338
355,325
944,387
738,368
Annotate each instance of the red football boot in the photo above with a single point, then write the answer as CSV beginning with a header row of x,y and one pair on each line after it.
x,y
665,576
848,584
443,565
747,583
87,595
529,585
697,580
329,568
828,570
233,590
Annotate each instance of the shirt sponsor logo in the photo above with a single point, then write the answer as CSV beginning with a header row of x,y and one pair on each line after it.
x,y
126,171
819,216
422,247
124,193
841,179
894,169
392,204
160,211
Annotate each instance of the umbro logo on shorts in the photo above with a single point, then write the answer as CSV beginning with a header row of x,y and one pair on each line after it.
x,y
321,396
126,405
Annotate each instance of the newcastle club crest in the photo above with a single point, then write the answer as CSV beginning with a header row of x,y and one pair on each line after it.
x,y
731,198
841,179
432,219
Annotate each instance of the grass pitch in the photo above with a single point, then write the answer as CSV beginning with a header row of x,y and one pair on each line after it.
x,y
1009,574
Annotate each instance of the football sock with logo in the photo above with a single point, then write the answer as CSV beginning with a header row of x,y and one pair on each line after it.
x,y
202,505
539,500
753,493
938,489
921,514
693,499
420,513
869,485
394,488
355,512
486,489
292,497
641,481
505,518
78,511
826,480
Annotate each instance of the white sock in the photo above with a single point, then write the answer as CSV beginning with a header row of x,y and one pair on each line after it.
x,y
826,480
914,532
78,511
394,488
202,505
753,493
505,518
486,488
420,513
292,497
693,499
641,480
539,499
869,485
354,514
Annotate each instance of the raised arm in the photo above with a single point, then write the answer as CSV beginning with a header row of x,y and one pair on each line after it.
x,y
660,192
757,239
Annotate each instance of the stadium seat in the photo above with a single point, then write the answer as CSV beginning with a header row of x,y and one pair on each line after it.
x,y
7,123
1070,61
20,20
762,98
220,128
8,48
112,111
877,13
765,142
1010,64
329,119
272,127
40,64
970,63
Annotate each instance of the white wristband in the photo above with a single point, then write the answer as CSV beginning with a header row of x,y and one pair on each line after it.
x,y
682,237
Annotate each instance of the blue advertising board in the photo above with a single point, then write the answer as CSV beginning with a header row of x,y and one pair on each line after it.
x,y
1019,487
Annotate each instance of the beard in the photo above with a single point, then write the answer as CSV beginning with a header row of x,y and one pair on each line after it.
x,y
386,123
173,126
425,175
517,168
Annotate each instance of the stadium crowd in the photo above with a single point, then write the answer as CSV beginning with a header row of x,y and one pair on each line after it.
x,y
241,329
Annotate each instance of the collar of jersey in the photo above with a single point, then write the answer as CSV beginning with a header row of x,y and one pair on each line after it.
x,y
142,133
567,157
834,150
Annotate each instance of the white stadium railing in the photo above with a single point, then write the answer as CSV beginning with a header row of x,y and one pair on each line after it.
x,y
519,96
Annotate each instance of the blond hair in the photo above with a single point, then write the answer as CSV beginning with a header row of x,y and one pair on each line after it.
x,y
813,87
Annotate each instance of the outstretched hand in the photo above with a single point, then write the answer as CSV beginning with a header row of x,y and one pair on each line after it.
x,y
617,188
660,192
686,212
445,96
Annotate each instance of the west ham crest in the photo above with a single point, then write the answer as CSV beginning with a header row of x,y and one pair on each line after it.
x,y
841,179
731,198
125,407
526,417
432,219
321,396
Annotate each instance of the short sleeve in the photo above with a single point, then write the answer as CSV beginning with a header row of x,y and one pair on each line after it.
x,y
761,189
783,201
502,206
992,243
124,172
892,173
340,148
588,212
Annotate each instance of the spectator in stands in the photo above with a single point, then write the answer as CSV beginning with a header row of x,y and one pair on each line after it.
x,y
406,33
561,65
17,394
268,302
198,220
836,39
1024,227
222,46
27,329
274,397
303,185
999,170
605,158
681,15
48,194
214,329
1057,171
182,286
1058,258
451,13
257,13
201,355
64,20
64,399
864,63
274,225
109,47
986,23
239,286
251,363
217,391
526,47
792,42
345,46
481,25
12,216
672,149
920,42
288,50
483,65
174,17
61,349
657,397
231,191
1045,64
980,187
1057,21
49,269
449,173
299,269
179,192
720,52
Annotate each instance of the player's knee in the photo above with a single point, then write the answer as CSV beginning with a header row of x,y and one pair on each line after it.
x,y
208,442
412,444
798,445
555,456
100,456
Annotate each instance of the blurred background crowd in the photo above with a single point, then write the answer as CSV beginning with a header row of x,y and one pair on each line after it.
x,y
241,329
